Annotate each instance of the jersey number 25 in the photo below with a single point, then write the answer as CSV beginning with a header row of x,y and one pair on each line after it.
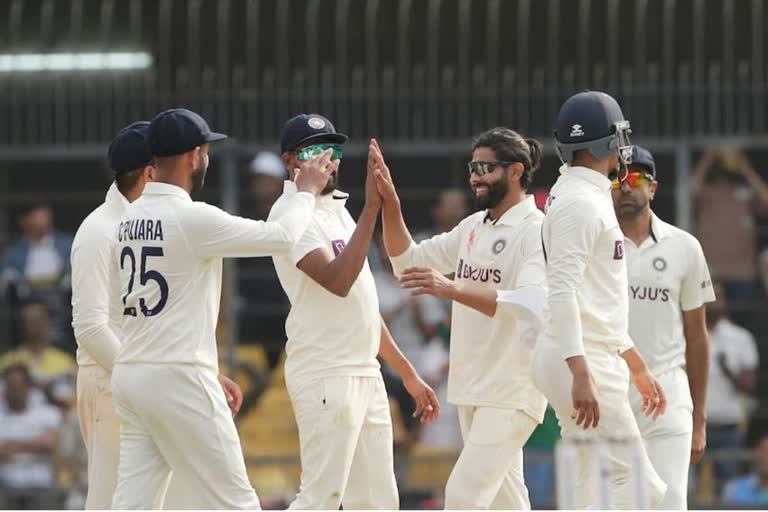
x,y
144,277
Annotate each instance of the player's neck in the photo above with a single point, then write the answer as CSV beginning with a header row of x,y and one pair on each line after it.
x,y
510,200
637,228
175,178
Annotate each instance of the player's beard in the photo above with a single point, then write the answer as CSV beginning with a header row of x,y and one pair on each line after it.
x,y
632,209
333,182
495,194
198,179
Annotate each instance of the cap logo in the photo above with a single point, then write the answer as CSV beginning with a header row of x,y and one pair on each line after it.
x,y
576,131
316,123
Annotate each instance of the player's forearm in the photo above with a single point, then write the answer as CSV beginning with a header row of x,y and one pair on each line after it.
x,y
566,325
100,341
345,268
397,238
697,367
392,356
294,218
634,360
476,297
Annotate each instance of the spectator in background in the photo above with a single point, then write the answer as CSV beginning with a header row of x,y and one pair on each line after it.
x,y
37,265
412,321
27,442
728,193
51,369
751,490
449,208
733,362
266,304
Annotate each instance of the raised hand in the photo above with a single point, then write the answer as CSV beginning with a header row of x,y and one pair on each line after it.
x,y
313,174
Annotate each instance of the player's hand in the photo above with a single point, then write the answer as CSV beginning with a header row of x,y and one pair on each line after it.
x,y
312,175
232,392
427,281
586,409
698,441
372,195
381,174
654,399
427,405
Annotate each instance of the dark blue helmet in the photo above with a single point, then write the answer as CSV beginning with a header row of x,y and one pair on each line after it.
x,y
592,120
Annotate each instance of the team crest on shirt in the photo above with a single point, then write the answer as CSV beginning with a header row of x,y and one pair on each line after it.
x,y
499,246
660,264
338,246
618,250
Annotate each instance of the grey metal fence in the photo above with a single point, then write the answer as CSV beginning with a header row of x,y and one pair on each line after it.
x,y
401,69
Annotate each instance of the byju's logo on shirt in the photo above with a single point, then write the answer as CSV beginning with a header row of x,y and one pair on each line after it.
x,y
618,250
338,246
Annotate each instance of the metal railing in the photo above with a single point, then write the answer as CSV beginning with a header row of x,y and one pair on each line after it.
x,y
401,69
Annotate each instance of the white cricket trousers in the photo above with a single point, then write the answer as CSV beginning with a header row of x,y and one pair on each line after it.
x,y
611,375
668,439
489,471
100,426
175,418
345,432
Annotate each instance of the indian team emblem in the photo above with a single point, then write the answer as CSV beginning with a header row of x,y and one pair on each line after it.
x,y
499,246
660,264
316,123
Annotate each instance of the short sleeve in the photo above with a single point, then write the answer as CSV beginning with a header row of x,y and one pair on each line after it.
x,y
696,288
311,240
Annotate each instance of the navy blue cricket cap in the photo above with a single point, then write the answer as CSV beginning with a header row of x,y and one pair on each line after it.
x,y
129,150
644,158
306,127
176,131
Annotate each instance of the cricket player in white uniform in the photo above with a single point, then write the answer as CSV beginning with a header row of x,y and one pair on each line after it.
x,y
581,360
174,413
669,285
498,296
97,316
334,334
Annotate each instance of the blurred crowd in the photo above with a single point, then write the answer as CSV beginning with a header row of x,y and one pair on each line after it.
x,y
42,458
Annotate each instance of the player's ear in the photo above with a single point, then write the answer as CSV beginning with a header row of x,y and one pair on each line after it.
x,y
149,173
653,187
517,171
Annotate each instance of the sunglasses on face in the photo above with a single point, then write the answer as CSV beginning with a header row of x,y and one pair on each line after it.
x,y
633,179
482,168
316,149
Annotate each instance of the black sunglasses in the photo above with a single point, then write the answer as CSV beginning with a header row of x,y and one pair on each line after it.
x,y
482,168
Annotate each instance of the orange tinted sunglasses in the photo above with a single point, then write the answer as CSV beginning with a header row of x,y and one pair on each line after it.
x,y
633,179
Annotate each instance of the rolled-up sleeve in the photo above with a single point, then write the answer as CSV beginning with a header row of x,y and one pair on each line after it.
x,y
571,230
212,232
93,273
440,252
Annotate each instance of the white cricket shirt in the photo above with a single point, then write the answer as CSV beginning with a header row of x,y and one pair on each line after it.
x,y
328,335
97,312
170,252
668,274
586,271
490,358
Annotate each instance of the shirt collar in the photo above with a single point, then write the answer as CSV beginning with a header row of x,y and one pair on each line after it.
x,y
335,199
165,189
115,197
586,174
659,230
514,215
